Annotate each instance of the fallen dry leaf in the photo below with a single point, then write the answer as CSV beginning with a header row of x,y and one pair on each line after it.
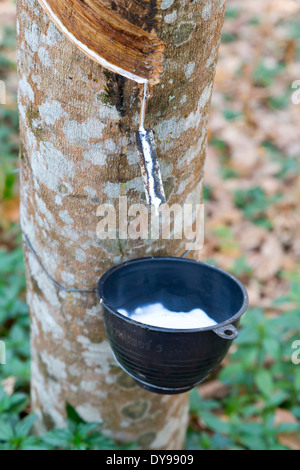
x,y
251,236
10,210
283,416
9,385
290,440
254,293
213,389
244,149
268,262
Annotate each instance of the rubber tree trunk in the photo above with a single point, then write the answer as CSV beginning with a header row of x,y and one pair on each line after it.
x,y
77,124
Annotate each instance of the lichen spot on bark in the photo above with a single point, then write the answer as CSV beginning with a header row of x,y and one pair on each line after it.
x,y
135,410
165,4
207,10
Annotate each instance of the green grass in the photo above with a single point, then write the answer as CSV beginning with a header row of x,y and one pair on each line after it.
x,y
261,378
254,203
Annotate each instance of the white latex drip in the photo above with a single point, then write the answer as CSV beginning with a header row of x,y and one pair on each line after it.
x,y
155,201
149,169
157,315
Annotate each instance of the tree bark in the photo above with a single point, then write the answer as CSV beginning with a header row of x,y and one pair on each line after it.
x,y
77,123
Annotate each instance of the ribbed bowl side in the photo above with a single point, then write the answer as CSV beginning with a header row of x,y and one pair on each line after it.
x,y
167,360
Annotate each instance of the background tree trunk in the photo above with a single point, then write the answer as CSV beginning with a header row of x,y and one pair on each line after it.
x,y
77,125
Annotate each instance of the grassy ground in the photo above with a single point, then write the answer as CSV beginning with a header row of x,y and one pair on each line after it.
x,y
252,193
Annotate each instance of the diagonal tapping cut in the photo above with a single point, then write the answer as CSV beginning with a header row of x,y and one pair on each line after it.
x,y
108,38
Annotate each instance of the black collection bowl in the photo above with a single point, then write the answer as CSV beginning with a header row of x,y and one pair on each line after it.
x,y
166,360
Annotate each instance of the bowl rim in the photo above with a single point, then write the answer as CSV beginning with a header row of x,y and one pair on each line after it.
x,y
106,304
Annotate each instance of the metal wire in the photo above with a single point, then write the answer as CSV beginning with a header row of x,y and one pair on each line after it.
x,y
59,286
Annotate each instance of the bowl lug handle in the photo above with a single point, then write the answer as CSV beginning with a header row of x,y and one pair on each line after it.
x,y
227,332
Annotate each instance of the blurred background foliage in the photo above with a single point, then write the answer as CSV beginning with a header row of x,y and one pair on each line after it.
x,y
252,195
